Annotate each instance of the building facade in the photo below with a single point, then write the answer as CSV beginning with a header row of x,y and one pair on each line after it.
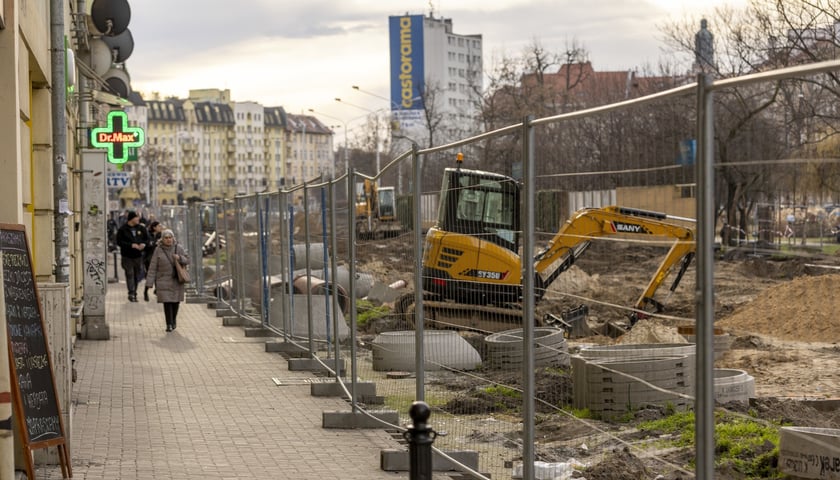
x,y
210,147
436,74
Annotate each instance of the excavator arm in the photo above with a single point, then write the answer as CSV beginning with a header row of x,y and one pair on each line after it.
x,y
586,224
681,253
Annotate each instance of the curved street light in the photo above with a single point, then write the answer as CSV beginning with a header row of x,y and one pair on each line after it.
x,y
391,102
376,131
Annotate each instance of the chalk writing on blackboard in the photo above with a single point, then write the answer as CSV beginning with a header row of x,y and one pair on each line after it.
x,y
33,384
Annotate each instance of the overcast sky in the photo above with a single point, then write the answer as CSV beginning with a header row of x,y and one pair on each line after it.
x,y
302,54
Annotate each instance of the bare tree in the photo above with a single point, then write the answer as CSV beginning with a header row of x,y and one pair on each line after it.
x,y
627,140
776,120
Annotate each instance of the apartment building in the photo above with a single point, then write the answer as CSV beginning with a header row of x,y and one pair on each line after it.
x,y
276,159
208,146
434,72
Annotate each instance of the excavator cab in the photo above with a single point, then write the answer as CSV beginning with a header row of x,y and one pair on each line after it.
x,y
387,204
471,254
481,204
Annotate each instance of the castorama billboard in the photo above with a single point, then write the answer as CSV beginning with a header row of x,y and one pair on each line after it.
x,y
406,38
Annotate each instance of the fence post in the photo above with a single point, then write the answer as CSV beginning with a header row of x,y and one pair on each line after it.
x,y
420,438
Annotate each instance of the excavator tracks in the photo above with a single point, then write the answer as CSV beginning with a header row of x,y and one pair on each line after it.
x,y
442,314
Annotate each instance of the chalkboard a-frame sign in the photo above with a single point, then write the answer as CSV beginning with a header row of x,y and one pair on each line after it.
x,y
36,408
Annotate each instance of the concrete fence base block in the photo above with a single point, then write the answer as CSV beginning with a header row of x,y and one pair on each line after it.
x,y
224,312
251,332
304,353
353,420
234,321
198,299
398,460
372,399
272,346
312,365
333,389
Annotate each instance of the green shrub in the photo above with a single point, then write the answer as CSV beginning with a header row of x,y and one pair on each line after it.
x,y
367,312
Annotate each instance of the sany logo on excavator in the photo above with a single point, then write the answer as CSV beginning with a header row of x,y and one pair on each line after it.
x,y
629,227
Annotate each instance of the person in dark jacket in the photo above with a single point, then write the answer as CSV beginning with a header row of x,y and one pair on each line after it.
x,y
132,238
155,228
163,276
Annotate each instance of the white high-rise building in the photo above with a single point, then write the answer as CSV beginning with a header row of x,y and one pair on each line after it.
x,y
437,74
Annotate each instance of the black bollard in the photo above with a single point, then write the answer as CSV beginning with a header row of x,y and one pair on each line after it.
x,y
420,438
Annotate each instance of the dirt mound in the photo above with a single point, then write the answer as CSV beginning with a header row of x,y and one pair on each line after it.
x,y
618,465
648,331
786,269
804,309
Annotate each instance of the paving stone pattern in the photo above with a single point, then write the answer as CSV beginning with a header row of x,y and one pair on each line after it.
x,y
200,403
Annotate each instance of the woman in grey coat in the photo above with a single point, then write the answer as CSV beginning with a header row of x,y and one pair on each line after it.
x,y
163,276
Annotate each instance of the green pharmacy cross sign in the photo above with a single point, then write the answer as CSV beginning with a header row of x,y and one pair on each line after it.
x,y
117,137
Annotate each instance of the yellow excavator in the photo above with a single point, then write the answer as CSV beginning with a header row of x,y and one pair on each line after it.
x,y
376,211
471,262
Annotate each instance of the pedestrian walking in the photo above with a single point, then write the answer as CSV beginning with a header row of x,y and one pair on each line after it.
x,y
155,229
163,276
132,238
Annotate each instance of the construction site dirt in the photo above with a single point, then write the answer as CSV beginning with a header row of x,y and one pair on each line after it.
x,y
780,311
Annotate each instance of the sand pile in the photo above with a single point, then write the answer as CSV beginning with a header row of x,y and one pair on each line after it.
x,y
805,309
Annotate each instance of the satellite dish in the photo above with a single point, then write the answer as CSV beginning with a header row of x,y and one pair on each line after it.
x,y
100,56
110,17
118,82
122,43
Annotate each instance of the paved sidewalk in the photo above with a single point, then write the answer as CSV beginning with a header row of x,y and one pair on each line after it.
x,y
200,403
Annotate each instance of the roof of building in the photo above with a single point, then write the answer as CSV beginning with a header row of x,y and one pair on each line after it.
x,y
585,86
306,123
215,113
136,99
169,110
275,117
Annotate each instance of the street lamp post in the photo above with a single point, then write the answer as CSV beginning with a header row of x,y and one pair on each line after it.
x,y
356,87
394,107
179,185
376,131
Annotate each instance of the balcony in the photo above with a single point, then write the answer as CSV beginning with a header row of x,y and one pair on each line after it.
x,y
189,160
